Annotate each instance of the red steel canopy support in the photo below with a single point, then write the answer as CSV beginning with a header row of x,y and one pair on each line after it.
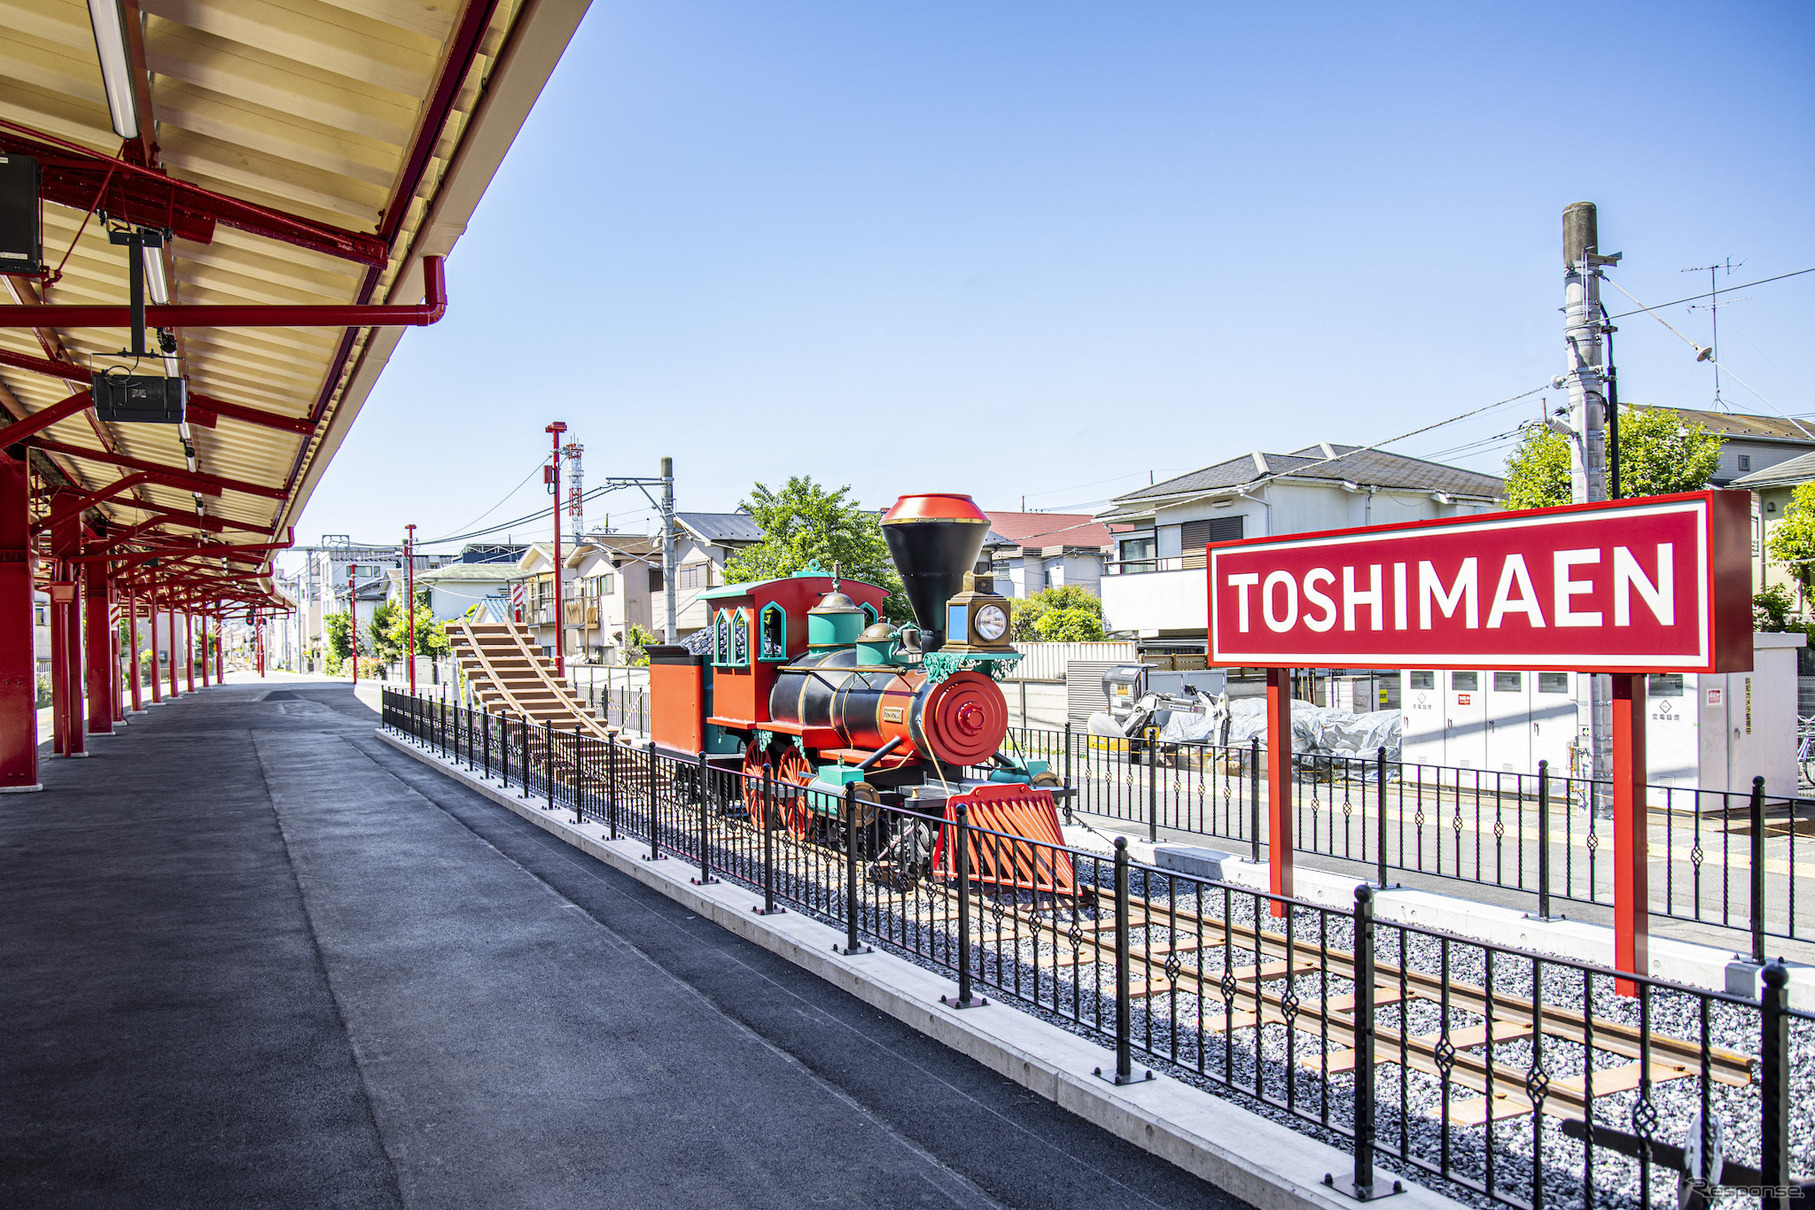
x,y
18,683
97,596
203,315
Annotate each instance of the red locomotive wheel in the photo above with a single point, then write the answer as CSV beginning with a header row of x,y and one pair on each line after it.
x,y
965,718
793,770
756,760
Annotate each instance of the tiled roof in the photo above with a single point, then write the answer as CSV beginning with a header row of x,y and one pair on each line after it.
x,y
1337,463
1050,529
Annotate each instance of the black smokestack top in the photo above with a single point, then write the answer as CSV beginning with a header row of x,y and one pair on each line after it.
x,y
934,539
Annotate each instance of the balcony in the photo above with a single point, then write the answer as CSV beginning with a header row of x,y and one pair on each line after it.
x,y
1156,594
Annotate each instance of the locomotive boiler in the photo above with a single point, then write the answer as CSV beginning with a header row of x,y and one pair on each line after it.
x,y
802,677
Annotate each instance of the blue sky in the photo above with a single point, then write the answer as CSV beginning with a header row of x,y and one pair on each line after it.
x,y
1048,250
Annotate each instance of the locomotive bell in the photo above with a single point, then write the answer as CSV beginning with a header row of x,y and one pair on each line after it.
x,y
934,539
976,620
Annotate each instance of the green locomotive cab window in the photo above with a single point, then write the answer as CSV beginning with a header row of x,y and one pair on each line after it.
x,y
721,640
740,639
871,615
772,634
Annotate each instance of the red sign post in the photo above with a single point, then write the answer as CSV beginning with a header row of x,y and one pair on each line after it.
x,y
1633,587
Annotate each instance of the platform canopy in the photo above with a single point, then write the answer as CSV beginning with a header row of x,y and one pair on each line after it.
x,y
302,153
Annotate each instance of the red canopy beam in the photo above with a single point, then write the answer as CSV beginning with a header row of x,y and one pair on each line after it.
x,y
204,315
150,197
203,409
216,482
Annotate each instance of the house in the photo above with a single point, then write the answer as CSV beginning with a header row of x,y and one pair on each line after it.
x,y
1155,584
704,542
1753,443
1036,551
608,583
454,588
1771,490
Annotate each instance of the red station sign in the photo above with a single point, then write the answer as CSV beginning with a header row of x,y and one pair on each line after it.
x,y
1660,584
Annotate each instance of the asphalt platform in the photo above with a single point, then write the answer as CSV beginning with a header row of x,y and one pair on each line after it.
x,y
253,957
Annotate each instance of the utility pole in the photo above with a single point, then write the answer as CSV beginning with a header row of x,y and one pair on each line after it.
x,y
1582,332
668,634
554,477
352,617
409,563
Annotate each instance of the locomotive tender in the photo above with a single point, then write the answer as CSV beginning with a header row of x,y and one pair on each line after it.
x,y
806,680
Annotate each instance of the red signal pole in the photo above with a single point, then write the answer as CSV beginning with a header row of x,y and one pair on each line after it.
x,y
409,563
557,428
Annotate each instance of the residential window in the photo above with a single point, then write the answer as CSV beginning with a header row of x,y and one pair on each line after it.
x,y
1744,460
1137,553
655,579
694,575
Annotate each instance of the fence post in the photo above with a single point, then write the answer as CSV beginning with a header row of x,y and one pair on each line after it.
x,y
1380,816
961,861
1124,1014
1069,784
611,784
485,741
655,811
1774,1087
768,908
1254,798
1543,840
578,779
524,725
851,944
1153,783
548,766
1758,870
705,878
1362,1184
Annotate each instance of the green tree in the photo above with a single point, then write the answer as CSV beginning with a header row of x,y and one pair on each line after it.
x,y
1659,454
1066,614
335,630
378,633
635,643
1792,540
431,636
1771,610
804,522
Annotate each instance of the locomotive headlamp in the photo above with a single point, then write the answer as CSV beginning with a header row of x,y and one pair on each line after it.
x,y
991,623
976,620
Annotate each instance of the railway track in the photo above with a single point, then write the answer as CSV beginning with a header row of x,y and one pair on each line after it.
x,y
1245,976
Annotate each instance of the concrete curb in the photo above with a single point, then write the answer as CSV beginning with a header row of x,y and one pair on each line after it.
x,y
1263,1163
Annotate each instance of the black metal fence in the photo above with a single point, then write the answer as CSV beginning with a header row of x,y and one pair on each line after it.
x,y
1739,861
1532,1080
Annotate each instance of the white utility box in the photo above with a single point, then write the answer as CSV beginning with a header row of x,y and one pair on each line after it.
x,y
1704,731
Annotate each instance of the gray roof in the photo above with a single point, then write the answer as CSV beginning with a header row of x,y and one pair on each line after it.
x,y
449,573
722,529
1750,428
1337,463
1799,469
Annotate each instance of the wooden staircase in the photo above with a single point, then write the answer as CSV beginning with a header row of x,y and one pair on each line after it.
x,y
511,675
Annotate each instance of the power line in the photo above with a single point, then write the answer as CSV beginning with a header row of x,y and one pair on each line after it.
x,y
1693,297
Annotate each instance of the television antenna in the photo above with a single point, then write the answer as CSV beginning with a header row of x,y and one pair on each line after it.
x,y
1712,307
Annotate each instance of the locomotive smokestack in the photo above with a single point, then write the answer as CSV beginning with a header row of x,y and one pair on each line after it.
x,y
934,539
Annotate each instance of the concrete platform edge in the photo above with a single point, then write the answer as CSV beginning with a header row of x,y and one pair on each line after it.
x,y
1236,1150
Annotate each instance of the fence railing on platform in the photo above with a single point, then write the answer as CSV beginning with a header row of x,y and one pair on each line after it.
x,y
1531,1080
1736,860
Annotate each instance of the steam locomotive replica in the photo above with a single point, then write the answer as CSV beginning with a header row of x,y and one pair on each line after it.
x,y
805,681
